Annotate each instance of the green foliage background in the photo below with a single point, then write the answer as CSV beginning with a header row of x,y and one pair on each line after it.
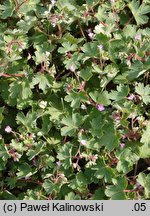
x,y
74,99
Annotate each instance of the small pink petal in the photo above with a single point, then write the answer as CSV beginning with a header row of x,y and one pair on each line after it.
x,y
91,35
131,97
122,145
8,129
72,68
137,37
58,163
53,2
83,142
100,107
100,47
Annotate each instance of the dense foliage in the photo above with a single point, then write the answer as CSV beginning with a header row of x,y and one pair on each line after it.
x,y
74,99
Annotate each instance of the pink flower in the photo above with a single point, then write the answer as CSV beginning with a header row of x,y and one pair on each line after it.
x,y
137,37
83,107
100,47
100,107
53,2
138,184
83,142
8,129
93,157
131,97
90,34
112,1
72,68
122,145
58,163
75,165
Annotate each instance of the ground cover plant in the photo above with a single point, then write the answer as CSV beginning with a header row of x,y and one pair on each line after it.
x,y
74,99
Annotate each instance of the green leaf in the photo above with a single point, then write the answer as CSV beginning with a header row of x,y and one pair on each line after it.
x,y
96,126
130,31
72,196
126,159
64,154
144,91
144,180
28,121
103,171
15,89
99,194
20,91
26,91
49,161
1,114
26,24
103,98
116,46
124,166
42,53
71,39
116,191
101,15
109,139
74,61
19,146
86,74
72,124
81,179
120,94
136,70
90,49
94,95
49,186
24,170
146,135
34,152
7,9
3,27
68,131
67,47
2,164
92,2
111,70
139,11
79,183
6,195
43,80
145,139
46,124
28,6
55,114
103,129
11,181
3,151
32,195
70,5
76,98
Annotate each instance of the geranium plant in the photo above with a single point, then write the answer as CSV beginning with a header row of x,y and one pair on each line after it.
x,y
74,99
